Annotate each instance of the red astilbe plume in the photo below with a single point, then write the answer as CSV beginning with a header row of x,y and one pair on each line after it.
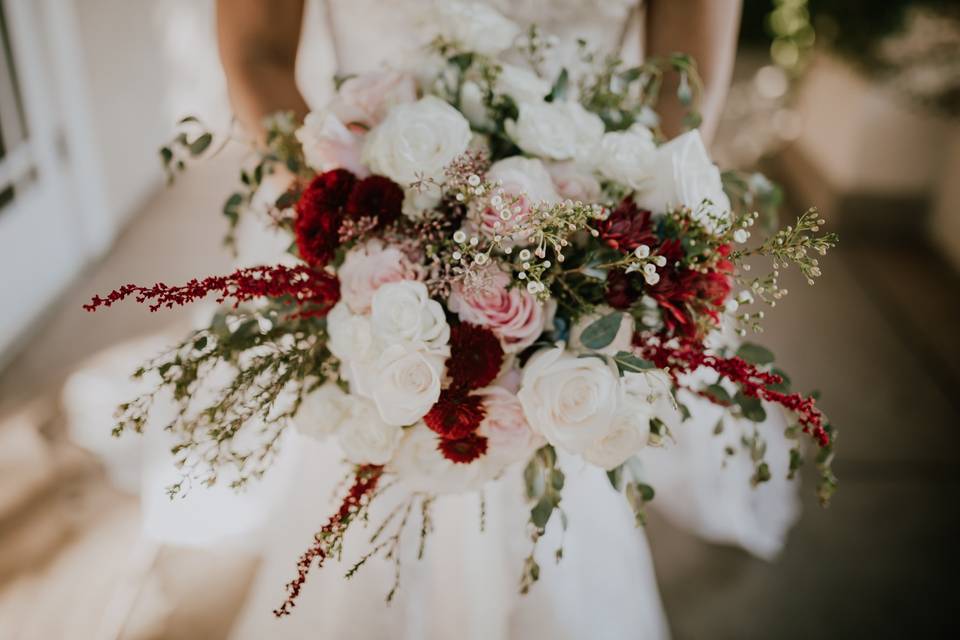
x,y
455,415
689,355
375,197
463,450
319,215
475,356
313,291
627,227
329,539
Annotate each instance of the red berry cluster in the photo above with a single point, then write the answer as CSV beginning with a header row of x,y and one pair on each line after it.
x,y
475,360
335,197
315,292
364,485
689,355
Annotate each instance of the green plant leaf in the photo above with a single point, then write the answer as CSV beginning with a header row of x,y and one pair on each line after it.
x,y
601,332
755,354
627,361
751,408
559,89
200,145
718,393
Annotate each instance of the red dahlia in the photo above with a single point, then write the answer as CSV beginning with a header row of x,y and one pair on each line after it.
x,y
319,214
463,450
376,197
475,356
455,415
627,228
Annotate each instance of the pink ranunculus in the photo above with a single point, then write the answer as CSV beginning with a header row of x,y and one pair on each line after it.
x,y
514,315
366,98
573,182
329,144
505,426
519,177
369,266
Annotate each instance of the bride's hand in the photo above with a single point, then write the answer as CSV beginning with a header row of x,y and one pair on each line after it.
x,y
258,42
707,30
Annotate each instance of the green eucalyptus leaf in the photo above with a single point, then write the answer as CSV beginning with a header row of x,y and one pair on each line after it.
x,y
755,354
751,408
601,332
627,361
718,393
200,145
559,89
541,512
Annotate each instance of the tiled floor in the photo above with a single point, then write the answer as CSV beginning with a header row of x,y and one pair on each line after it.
x,y
878,335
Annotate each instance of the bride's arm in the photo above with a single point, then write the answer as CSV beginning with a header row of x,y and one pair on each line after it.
x,y
258,48
707,30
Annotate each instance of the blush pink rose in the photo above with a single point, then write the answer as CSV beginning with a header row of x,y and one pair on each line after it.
x,y
524,179
514,315
505,426
329,144
369,266
366,98
573,183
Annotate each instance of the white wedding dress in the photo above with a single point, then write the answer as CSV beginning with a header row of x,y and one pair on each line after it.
x,y
466,586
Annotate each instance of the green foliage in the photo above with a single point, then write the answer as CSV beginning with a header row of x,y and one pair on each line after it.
x,y
601,332
543,481
628,478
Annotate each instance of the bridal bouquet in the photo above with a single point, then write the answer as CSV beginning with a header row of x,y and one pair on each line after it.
x,y
495,257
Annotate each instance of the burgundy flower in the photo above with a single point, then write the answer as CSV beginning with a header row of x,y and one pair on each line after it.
x,y
463,450
475,356
455,415
319,214
376,197
623,289
627,227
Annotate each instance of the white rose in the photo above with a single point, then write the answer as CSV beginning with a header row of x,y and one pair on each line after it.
x,y
406,383
475,26
365,438
404,312
473,106
322,411
628,434
369,266
416,140
421,467
571,401
353,343
556,130
521,84
627,156
621,342
683,175
573,182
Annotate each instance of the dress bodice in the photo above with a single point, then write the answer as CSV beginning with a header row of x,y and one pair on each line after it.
x,y
344,36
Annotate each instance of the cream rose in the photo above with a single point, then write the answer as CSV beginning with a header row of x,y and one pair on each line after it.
x,y
570,401
322,411
652,389
417,140
513,314
406,383
475,26
403,312
369,266
366,98
510,438
627,156
572,182
364,437
329,144
628,434
556,130
684,175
